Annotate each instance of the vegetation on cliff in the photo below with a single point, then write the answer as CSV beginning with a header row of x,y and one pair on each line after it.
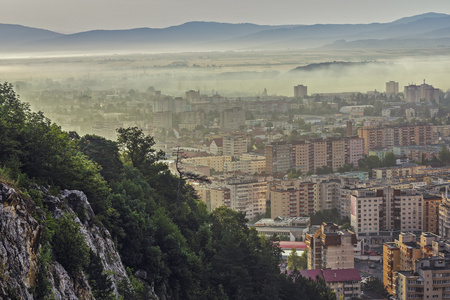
x,y
178,249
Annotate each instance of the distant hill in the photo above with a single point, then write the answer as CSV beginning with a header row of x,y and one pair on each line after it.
x,y
330,65
425,30
11,35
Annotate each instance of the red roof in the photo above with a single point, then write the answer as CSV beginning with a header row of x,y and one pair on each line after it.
x,y
218,142
340,275
289,245
311,274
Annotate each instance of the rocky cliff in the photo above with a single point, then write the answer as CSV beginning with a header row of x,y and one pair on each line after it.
x,y
20,237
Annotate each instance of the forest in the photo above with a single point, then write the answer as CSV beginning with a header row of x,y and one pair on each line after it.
x,y
185,252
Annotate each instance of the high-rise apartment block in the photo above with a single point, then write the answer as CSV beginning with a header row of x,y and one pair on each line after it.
x,y
278,157
292,198
191,119
391,88
430,279
232,119
423,92
300,91
247,195
330,248
412,93
312,154
234,144
396,135
444,218
402,256
399,256
431,205
386,209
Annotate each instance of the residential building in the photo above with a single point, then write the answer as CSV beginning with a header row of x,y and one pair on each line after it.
x,y
332,152
401,171
444,218
232,119
330,248
301,156
300,91
292,198
213,162
162,119
431,213
247,195
234,144
412,93
430,279
380,209
213,197
391,88
216,146
256,166
191,119
345,283
278,157
396,135
399,256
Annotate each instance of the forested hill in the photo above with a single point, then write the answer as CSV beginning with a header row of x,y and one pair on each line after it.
x,y
168,249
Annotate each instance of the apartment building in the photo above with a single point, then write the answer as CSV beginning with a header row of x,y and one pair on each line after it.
x,y
391,88
430,279
162,119
444,218
396,135
328,194
300,91
278,157
315,153
330,248
374,210
191,119
232,119
213,162
354,150
247,195
292,198
399,256
246,166
424,92
300,156
234,144
345,283
336,153
214,197
431,213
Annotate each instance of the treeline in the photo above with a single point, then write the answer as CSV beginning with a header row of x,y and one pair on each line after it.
x,y
185,252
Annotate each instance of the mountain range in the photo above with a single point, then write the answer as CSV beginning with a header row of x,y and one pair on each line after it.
x,y
428,30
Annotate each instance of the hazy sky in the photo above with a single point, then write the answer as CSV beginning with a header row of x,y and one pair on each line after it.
x,y
82,15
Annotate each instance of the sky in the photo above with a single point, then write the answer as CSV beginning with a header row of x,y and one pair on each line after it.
x,y
69,16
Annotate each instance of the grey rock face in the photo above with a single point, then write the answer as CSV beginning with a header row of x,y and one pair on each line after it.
x,y
97,239
19,246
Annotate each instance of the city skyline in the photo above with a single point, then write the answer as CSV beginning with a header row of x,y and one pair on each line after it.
x,y
76,16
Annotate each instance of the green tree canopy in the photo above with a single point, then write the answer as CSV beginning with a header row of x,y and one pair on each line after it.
x,y
137,147
296,262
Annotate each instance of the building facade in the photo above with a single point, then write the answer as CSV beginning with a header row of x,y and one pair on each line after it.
x,y
330,248
398,135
